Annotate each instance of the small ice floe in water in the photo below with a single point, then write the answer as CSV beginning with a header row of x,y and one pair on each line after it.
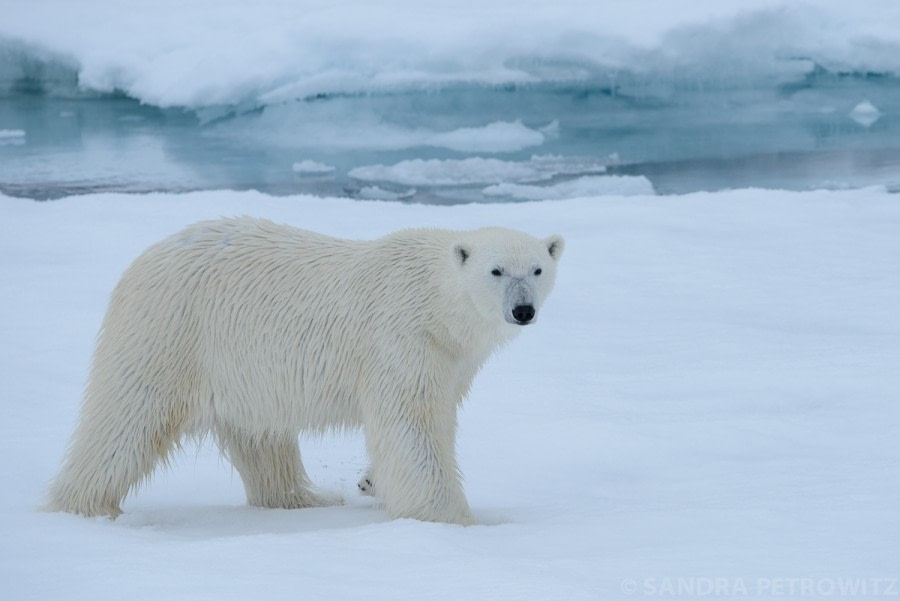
x,y
312,168
476,170
865,113
500,136
376,193
602,185
12,136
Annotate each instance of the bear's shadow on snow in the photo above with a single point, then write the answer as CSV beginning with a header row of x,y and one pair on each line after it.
x,y
216,522
209,522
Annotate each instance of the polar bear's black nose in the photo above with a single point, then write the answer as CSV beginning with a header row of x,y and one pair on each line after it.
x,y
523,313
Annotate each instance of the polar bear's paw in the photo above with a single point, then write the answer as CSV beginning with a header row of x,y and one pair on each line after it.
x,y
296,500
309,499
366,485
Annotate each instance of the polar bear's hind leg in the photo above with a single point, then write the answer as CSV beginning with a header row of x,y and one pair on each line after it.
x,y
110,456
271,469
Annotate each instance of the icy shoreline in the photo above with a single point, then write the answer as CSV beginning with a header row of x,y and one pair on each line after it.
x,y
168,96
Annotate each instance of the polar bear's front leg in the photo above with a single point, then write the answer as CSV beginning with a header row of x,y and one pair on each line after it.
x,y
414,458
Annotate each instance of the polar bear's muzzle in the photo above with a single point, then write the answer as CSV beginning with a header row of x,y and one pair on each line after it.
x,y
518,302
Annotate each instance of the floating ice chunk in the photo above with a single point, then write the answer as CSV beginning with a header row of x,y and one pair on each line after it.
x,y
12,137
306,167
865,113
475,171
500,136
603,185
376,193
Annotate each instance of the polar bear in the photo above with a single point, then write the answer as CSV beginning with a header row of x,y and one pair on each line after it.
x,y
256,332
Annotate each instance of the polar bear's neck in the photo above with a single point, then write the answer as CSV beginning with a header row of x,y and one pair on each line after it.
x,y
425,281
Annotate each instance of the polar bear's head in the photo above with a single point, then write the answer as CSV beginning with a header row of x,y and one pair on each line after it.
x,y
507,273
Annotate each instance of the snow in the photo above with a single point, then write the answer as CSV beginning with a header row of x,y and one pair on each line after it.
x,y
710,396
209,53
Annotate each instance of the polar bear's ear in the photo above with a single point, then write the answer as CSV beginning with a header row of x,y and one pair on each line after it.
x,y
555,245
461,252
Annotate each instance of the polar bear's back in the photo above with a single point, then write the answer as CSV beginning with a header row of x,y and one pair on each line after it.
x,y
269,325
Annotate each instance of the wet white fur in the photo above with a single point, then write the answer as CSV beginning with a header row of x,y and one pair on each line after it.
x,y
255,332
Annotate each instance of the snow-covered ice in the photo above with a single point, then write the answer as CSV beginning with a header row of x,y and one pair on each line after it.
x,y
711,393
378,193
590,185
472,171
219,52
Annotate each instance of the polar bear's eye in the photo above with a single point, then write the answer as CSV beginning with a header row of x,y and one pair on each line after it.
x,y
538,271
496,272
